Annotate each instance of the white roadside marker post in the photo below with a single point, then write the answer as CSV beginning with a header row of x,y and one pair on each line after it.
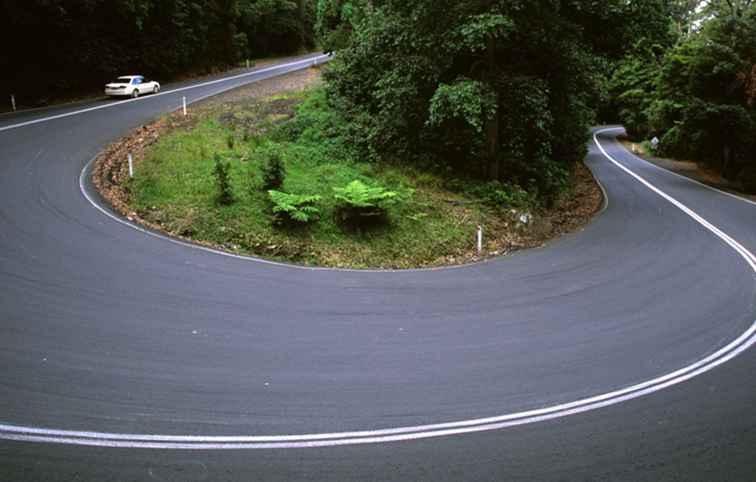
x,y
184,104
247,63
131,166
480,239
13,102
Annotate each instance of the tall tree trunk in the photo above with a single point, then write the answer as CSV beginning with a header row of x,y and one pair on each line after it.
x,y
492,123
727,152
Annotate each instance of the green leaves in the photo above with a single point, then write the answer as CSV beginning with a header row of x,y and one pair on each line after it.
x,y
479,29
294,207
359,195
273,171
698,98
358,202
221,172
466,100
503,90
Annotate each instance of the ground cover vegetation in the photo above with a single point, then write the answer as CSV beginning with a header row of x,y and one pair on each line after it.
x,y
289,187
276,176
59,48
439,115
695,90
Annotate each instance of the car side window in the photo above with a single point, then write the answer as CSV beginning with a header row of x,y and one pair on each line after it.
x,y
136,81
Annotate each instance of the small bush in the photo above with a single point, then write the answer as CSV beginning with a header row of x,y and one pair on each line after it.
x,y
294,207
500,195
273,172
230,141
358,202
221,172
251,182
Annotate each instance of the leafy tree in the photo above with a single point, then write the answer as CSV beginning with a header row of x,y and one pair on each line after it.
x,y
333,22
699,96
632,88
497,89
277,26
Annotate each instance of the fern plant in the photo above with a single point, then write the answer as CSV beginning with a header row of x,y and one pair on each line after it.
x,y
360,202
294,207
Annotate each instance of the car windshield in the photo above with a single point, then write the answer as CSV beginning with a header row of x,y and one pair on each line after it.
x,y
122,80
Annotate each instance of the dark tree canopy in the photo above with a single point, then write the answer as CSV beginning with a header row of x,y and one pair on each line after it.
x,y
59,47
503,89
699,95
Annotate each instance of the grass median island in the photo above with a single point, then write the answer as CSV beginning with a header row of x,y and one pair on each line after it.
x,y
268,172
175,188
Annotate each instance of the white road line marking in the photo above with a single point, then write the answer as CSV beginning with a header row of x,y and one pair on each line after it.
x,y
186,244
694,181
200,442
750,258
305,62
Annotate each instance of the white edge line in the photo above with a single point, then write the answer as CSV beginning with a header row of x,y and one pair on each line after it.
x,y
308,60
82,187
199,442
695,181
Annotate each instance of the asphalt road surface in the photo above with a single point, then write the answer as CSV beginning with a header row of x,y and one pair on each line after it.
x,y
620,352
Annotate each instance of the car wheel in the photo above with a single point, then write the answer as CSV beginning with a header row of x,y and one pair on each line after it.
x,y
135,94
155,89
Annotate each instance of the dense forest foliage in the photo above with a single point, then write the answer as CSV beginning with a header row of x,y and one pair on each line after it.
x,y
504,90
698,93
54,48
508,90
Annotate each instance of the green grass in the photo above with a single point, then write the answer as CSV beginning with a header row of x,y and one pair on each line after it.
x,y
174,187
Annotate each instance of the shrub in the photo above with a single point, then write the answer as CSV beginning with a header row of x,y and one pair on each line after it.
x,y
500,195
358,202
294,207
273,172
251,182
221,172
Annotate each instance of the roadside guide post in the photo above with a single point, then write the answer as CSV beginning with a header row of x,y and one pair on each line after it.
x,y
184,104
131,166
13,102
480,239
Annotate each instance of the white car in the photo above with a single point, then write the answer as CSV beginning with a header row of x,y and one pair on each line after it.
x,y
132,86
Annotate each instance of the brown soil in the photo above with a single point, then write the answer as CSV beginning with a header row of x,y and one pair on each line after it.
x,y
571,213
509,234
